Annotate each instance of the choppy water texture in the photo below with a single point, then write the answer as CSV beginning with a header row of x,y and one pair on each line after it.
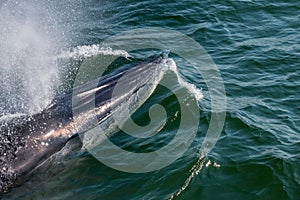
x,y
255,45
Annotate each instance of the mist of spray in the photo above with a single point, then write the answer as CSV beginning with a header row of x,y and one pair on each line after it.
x,y
29,37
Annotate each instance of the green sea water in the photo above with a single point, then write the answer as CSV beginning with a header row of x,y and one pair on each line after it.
x,y
256,47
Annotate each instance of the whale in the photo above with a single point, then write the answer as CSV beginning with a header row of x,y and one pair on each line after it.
x,y
28,141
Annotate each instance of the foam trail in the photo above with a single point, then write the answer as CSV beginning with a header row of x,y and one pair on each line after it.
x,y
87,51
201,160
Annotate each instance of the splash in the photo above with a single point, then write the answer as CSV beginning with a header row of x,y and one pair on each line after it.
x,y
190,87
87,51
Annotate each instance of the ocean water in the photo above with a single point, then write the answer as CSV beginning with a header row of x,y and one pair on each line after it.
x,y
255,46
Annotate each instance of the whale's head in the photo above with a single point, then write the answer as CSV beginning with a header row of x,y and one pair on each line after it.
x,y
119,93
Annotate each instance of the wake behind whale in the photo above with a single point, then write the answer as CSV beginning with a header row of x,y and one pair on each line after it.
x,y
26,141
